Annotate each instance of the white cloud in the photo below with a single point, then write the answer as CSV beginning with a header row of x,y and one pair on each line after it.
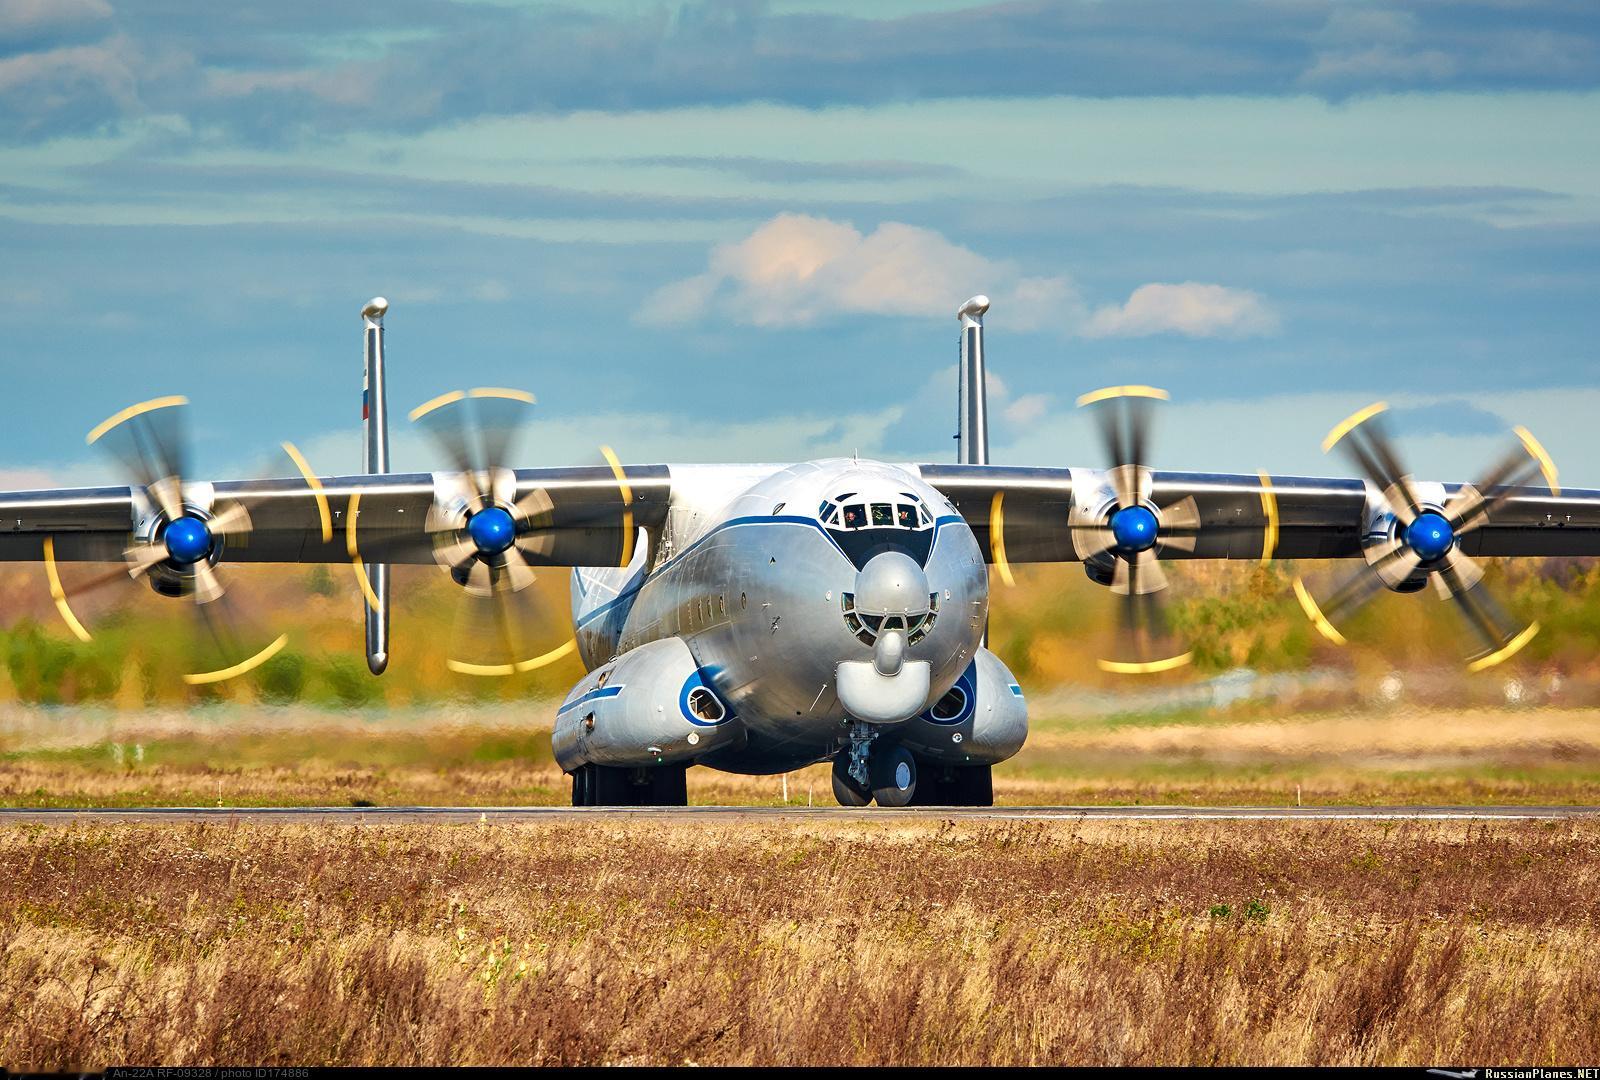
x,y
1192,308
1027,408
26,479
1373,44
797,270
35,15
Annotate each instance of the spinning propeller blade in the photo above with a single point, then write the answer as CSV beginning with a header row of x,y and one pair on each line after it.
x,y
1132,529
1424,538
483,535
178,542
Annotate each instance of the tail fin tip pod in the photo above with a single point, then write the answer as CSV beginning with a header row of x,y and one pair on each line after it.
x,y
972,433
375,459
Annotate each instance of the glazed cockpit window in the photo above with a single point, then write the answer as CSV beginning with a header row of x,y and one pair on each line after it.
x,y
908,511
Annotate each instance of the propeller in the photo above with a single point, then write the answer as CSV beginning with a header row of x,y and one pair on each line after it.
x,y
1419,531
1122,536
486,536
180,533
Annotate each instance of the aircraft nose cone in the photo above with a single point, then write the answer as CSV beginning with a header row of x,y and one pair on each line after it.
x,y
892,584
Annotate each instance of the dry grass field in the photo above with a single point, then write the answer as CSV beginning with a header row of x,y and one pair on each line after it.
x,y
784,942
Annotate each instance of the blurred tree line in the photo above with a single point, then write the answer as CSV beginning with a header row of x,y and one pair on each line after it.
x,y
1049,628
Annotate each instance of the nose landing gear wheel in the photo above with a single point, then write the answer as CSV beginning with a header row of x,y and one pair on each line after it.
x,y
846,791
894,776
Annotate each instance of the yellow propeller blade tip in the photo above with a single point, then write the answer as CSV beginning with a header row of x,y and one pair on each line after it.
x,y
1109,392
461,667
1269,507
59,594
131,411
324,514
1148,667
1505,652
1350,423
204,677
502,392
436,403
997,538
1314,613
1536,449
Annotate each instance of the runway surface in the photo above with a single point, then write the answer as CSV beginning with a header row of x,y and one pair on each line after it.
x,y
378,815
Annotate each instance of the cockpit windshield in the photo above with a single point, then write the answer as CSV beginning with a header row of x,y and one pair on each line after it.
x,y
864,523
851,510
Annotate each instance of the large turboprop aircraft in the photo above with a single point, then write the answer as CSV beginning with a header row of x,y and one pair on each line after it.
x,y
759,618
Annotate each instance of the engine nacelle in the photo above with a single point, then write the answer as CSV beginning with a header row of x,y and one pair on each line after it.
x,y
982,720
651,706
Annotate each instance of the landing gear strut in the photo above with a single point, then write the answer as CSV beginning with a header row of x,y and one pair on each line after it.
x,y
862,774
606,785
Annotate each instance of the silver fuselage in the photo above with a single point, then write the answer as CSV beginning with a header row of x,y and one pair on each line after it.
x,y
749,575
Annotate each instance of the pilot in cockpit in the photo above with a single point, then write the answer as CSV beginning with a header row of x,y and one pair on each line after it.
x,y
855,516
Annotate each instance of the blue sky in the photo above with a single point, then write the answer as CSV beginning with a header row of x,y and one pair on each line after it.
x,y
739,231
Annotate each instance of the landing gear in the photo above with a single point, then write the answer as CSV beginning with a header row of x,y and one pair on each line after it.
x,y
606,785
887,776
847,790
894,776
955,785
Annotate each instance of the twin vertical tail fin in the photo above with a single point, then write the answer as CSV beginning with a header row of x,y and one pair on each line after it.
x,y
375,459
972,432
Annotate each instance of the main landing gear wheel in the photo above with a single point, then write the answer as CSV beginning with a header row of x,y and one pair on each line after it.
x,y
606,785
893,772
846,791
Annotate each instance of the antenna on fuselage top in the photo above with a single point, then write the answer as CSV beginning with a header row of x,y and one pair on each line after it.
x,y
972,419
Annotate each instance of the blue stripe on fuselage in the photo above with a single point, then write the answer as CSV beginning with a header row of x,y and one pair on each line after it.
x,y
592,695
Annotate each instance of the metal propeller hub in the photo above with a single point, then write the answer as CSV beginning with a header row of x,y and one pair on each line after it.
x,y
1430,536
492,530
188,540
1135,528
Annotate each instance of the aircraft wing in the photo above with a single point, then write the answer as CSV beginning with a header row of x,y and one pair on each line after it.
x,y
583,517
1028,513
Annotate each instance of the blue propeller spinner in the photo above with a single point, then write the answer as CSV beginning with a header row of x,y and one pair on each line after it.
x,y
188,540
1135,528
1430,536
492,530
